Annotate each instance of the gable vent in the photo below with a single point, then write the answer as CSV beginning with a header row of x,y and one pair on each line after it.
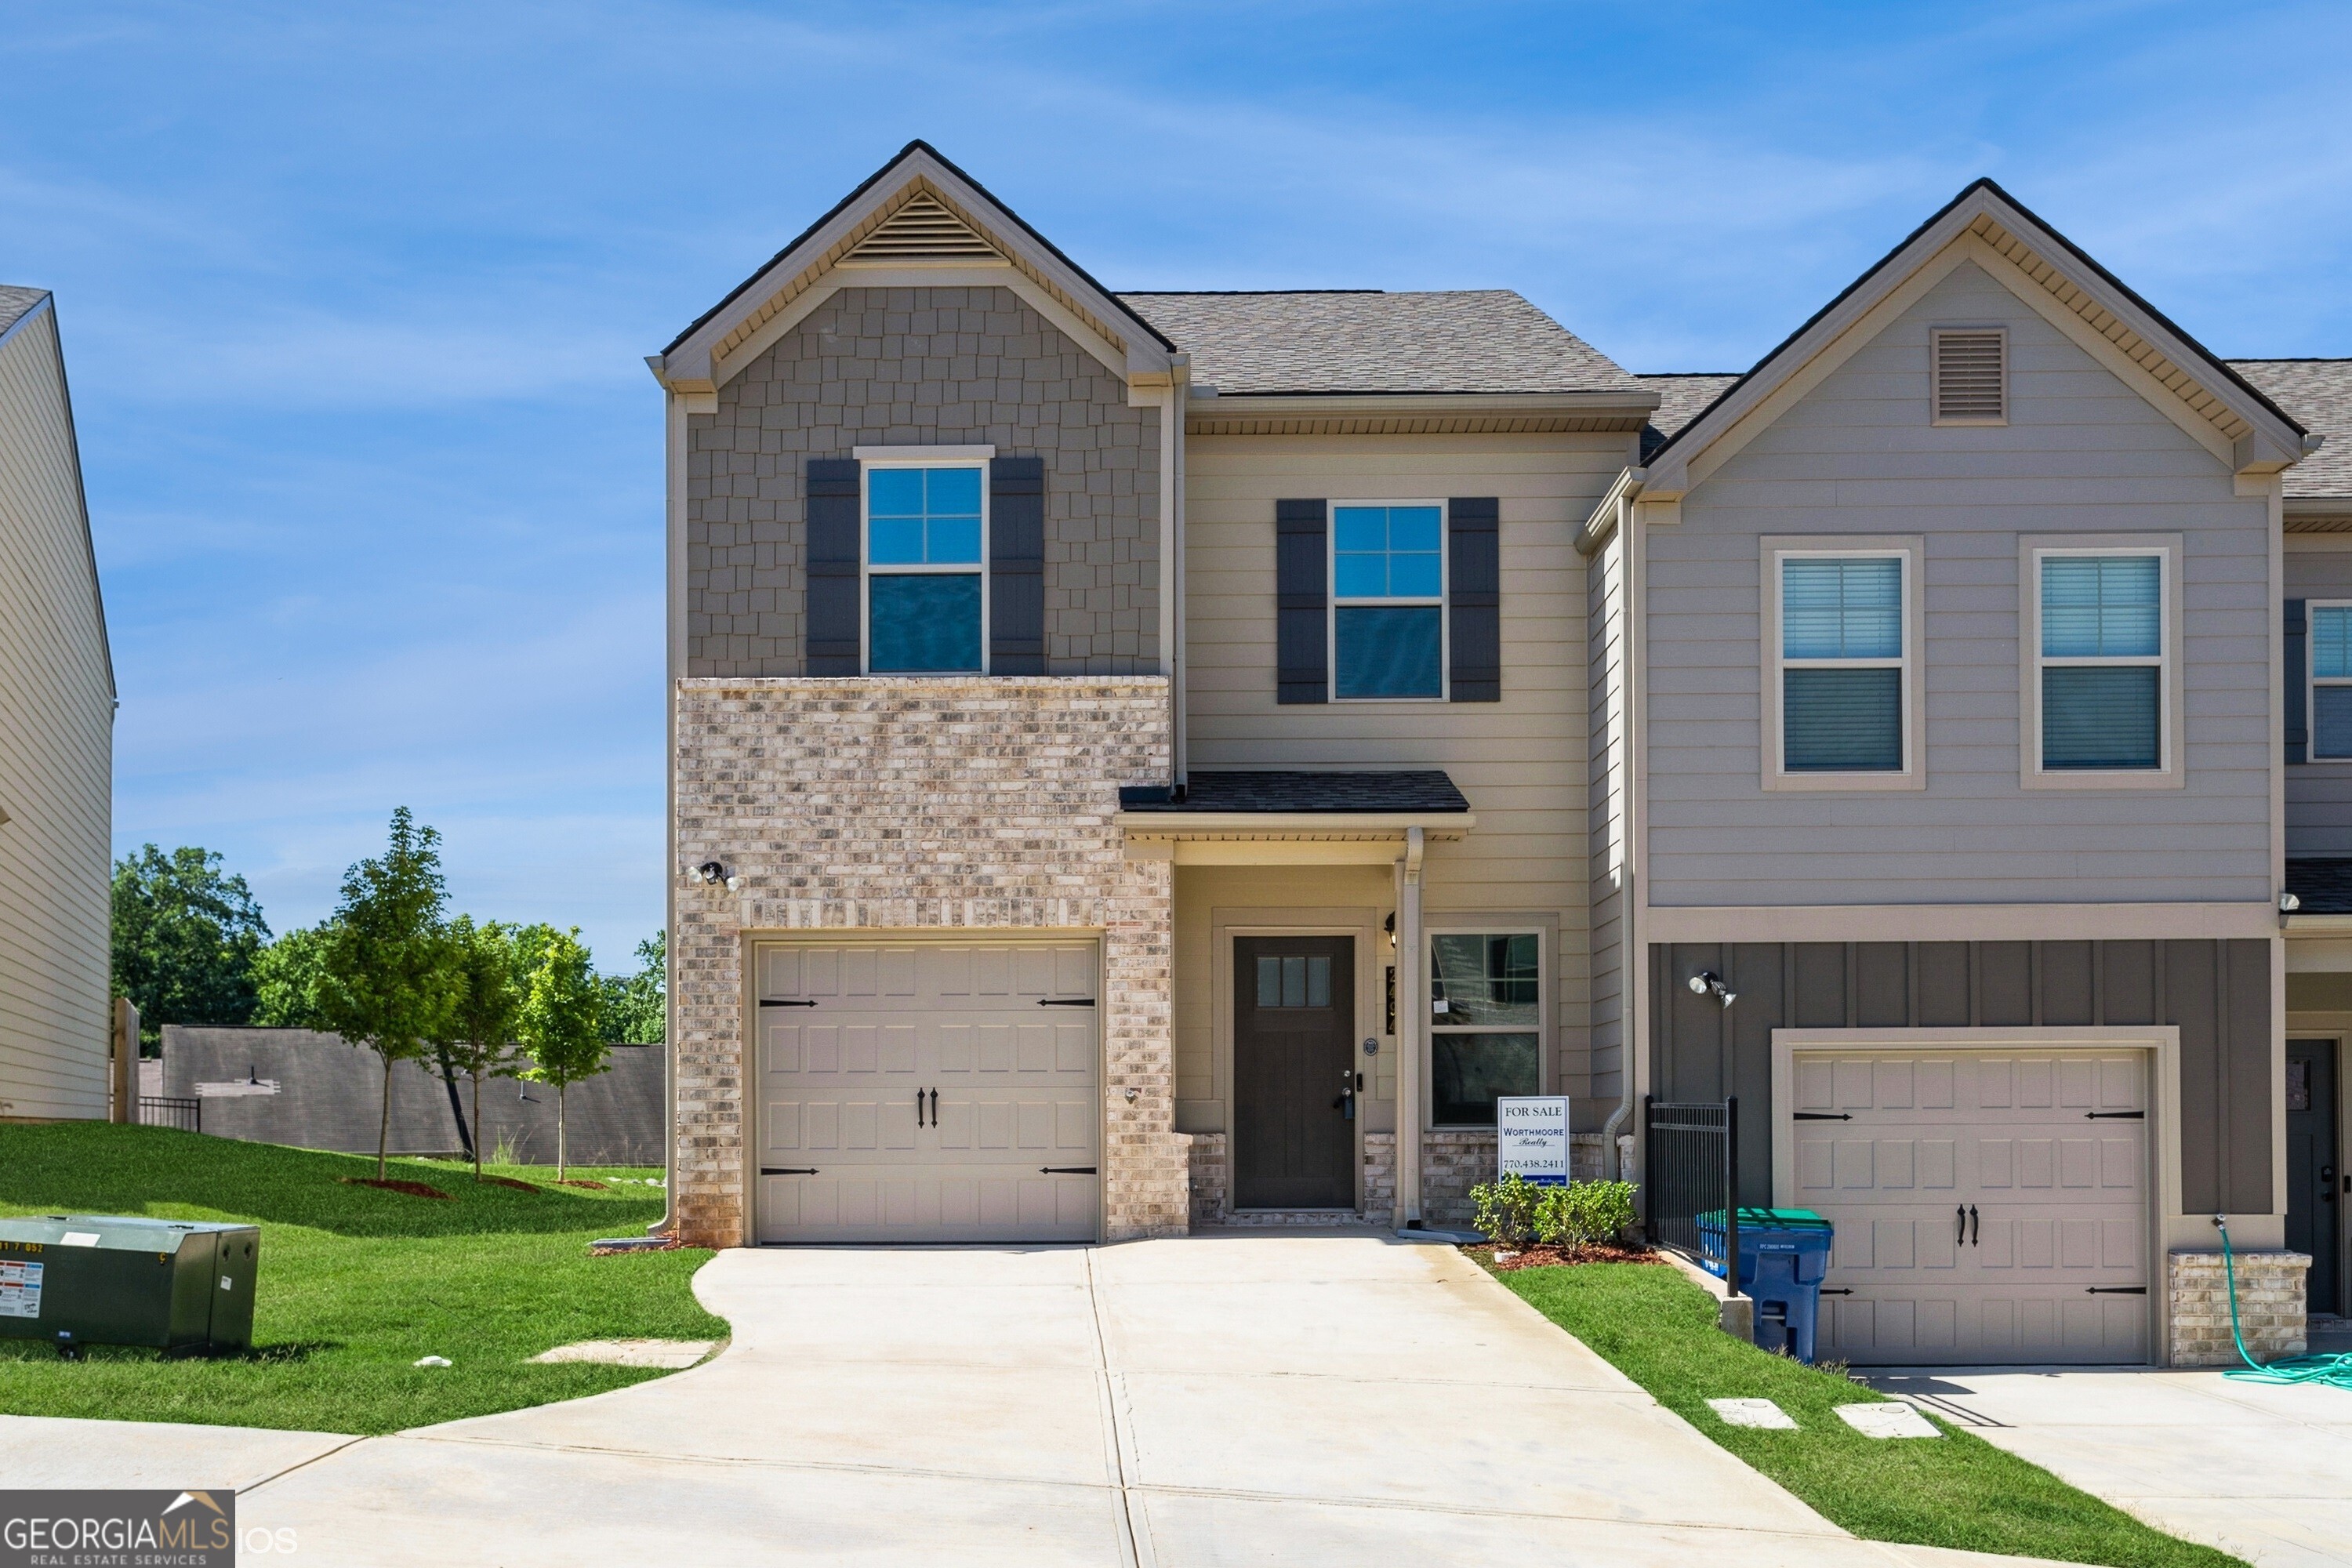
x,y
1972,375
923,231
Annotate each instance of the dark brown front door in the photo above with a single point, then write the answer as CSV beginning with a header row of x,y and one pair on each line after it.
x,y
2315,1175
1294,1073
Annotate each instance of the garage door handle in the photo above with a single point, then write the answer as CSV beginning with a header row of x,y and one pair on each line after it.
x,y
1821,1116
1067,1002
1065,1170
2115,1290
774,1001
1838,1290
2115,1116
1976,1227
788,1170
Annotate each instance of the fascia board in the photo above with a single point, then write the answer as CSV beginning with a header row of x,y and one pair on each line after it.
x,y
1602,523
1290,824
1309,405
2318,506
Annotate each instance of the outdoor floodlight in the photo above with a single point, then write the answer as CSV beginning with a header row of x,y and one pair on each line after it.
x,y
1707,980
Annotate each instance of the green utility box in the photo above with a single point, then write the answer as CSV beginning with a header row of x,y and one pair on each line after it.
x,y
180,1286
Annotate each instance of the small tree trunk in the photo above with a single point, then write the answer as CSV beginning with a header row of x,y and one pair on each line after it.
x,y
559,1132
477,1126
383,1125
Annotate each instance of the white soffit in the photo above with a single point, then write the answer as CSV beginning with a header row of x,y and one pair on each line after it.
x,y
2176,376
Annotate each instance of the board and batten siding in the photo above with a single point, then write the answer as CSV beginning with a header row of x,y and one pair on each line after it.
x,y
1521,762
2082,453
2217,993
934,367
57,750
2319,793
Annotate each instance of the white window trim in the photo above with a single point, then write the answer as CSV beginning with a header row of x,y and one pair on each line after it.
x,y
914,457
1936,336
2312,679
1444,588
1544,929
2169,773
1908,549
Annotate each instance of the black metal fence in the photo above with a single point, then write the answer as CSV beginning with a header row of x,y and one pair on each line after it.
x,y
164,1111
1691,1177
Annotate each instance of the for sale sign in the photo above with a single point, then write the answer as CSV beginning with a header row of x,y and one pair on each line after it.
x,y
1531,1139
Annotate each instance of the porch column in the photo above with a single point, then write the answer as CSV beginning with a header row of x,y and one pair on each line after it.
x,y
1413,1028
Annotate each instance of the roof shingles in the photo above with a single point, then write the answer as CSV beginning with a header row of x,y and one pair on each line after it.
x,y
2317,395
1321,793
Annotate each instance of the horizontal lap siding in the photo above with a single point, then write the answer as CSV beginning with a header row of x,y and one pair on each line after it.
x,y
1605,701
56,754
1521,762
2318,795
2083,454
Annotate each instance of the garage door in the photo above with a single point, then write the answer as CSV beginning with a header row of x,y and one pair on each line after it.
x,y
1990,1207
918,1091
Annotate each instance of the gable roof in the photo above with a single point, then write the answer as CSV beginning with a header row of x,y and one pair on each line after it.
x,y
2265,436
1681,396
16,303
919,194
1327,342
2318,393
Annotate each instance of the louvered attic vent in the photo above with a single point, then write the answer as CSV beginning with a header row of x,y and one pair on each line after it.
x,y
923,231
1972,375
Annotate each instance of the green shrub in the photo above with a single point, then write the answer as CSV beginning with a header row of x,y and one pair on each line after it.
x,y
1507,1209
1583,1213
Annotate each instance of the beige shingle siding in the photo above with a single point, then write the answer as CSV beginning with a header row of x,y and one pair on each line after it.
x,y
56,746
930,367
1485,339
1521,762
2316,394
2084,453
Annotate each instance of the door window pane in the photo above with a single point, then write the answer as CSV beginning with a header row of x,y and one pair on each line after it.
x,y
1467,1071
2096,606
1841,609
1294,981
1483,979
1841,721
2100,716
923,622
1390,650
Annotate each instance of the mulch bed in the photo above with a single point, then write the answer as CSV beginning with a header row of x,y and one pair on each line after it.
x,y
413,1189
509,1181
1543,1257
579,1182
653,1244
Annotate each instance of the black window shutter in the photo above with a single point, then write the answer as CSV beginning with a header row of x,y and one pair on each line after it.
x,y
1016,566
1302,602
833,568
1474,598
2297,664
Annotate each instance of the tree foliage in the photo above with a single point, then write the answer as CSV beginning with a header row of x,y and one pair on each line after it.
x,y
486,1017
286,980
636,1010
384,978
561,1028
185,939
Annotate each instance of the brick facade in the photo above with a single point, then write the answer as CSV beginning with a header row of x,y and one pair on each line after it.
x,y
1453,1160
921,802
2270,1306
922,367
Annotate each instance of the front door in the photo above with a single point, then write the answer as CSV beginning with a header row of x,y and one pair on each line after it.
x,y
2314,1169
1293,1075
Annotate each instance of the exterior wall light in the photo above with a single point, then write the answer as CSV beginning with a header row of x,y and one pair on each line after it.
x,y
710,873
2289,903
1708,981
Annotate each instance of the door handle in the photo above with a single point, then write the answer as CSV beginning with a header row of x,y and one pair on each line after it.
x,y
784,1001
788,1170
1961,1225
918,1108
935,1108
1976,1228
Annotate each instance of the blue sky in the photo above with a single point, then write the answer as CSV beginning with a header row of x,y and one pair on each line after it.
x,y
356,298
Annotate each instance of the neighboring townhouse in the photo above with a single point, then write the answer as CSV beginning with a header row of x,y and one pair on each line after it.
x,y
56,741
1100,719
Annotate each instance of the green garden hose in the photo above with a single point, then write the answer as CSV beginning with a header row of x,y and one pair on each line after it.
x,y
2334,1370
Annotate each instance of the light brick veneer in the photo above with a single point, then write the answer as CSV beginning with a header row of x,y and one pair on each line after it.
x,y
1451,1162
2270,1307
921,802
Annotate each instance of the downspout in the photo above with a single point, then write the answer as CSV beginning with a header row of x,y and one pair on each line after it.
x,y
674,464
1172,564
1412,1029
1633,965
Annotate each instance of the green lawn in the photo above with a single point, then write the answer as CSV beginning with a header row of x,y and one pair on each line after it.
x,y
1958,1491
355,1284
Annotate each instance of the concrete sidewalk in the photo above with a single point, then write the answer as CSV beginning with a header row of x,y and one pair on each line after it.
x,y
2260,1470
1267,1397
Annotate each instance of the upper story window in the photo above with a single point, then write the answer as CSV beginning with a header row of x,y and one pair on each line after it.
x,y
924,561
2331,681
1388,601
2102,660
1486,1023
1842,667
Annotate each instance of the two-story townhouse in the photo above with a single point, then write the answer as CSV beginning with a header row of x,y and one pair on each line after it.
x,y
1147,758
1936,671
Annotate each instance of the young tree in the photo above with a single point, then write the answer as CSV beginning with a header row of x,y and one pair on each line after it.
x,y
485,1019
560,1017
636,1012
384,978
286,980
185,938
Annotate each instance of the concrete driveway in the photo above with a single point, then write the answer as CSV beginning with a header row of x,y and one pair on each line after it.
x,y
2261,1470
1256,1398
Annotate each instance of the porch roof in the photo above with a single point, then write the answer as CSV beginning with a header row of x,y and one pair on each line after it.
x,y
1291,817
1415,793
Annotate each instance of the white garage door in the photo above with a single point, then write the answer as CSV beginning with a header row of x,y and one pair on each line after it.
x,y
1990,1207
916,1091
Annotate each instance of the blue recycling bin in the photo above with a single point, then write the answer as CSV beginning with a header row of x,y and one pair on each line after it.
x,y
1784,1254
